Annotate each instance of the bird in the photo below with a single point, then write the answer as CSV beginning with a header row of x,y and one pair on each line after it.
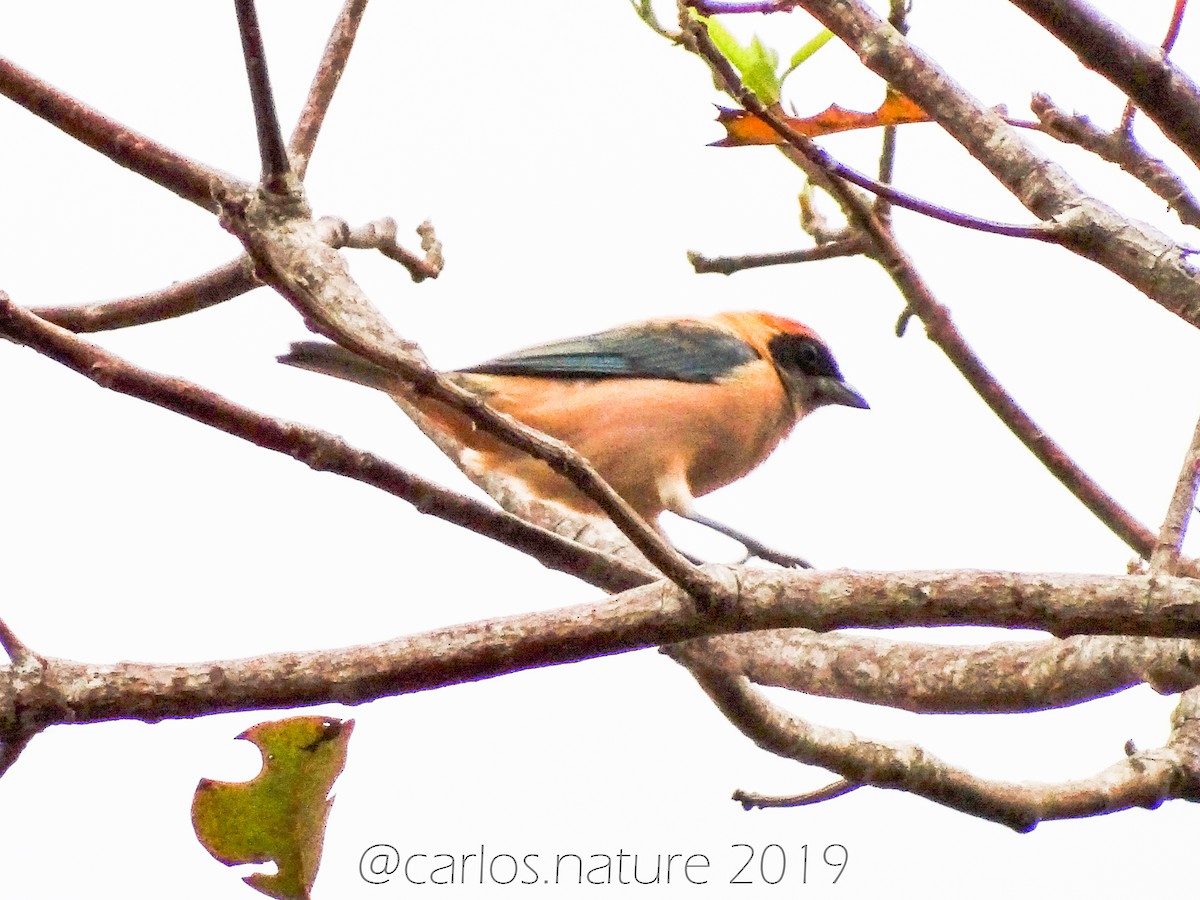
x,y
665,410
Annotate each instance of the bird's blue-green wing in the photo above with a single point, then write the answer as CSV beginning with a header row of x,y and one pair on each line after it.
x,y
674,351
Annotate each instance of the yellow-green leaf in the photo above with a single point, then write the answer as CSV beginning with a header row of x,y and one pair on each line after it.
x,y
757,63
280,814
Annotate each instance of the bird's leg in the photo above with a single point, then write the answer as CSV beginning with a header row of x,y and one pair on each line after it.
x,y
753,547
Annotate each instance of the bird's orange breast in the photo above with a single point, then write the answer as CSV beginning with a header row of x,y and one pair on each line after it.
x,y
643,435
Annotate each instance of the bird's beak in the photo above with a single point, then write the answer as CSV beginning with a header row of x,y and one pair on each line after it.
x,y
833,391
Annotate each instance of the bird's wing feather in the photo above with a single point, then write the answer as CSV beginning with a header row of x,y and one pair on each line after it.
x,y
676,351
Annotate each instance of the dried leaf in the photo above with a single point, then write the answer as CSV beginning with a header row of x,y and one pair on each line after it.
x,y
744,129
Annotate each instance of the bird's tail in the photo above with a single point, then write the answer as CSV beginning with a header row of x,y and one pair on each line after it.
x,y
330,359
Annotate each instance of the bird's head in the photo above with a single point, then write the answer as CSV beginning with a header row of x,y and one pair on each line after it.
x,y
807,368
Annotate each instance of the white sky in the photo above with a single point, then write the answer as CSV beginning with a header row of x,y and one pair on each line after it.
x,y
560,150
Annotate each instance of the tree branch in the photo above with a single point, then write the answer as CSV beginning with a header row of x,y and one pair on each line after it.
x,y
325,81
236,277
189,179
1138,254
1179,511
727,265
1004,677
763,801
276,167
317,449
1162,90
1141,780
654,614
231,280
1120,148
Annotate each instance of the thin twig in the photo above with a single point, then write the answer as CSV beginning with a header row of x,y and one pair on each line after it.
x,y
727,265
275,163
939,326
127,148
12,645
325,82
381,235
317,449
832,791
1168,42
898,19
224,283
1179,511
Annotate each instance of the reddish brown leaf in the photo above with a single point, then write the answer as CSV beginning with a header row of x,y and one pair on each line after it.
x,y
744,129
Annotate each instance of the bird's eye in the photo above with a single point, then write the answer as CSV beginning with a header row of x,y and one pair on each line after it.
x,y
804,354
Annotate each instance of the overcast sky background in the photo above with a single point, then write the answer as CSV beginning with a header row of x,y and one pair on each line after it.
x,y
560,149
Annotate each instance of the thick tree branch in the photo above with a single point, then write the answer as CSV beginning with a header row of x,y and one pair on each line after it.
x,y
655,614
1005,677
189,179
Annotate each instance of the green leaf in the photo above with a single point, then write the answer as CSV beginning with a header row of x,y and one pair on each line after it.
x,y
280,814
757,63
801,56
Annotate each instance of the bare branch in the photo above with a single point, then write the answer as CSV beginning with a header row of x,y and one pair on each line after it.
x,y
1167,44
276,167
381,235
1142,780
325,82
189,179
1179,511
236,277
1120,148
12,645
25,678
654,614
1003,677
764,801
727,265
1162,90
317,449
230,280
